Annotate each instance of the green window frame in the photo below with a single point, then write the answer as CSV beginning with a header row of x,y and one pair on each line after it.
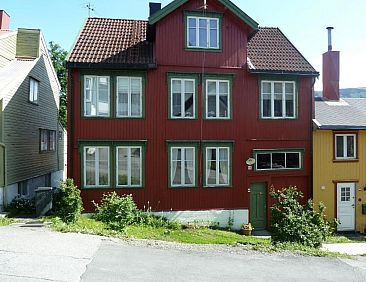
x,y
96,93
130,166
113,146
217,157
203,31
135,94
132,94
278,98
95,173
216,95
278,159
178,90
183,164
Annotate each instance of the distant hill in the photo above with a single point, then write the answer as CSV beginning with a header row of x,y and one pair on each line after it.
x,y
348,92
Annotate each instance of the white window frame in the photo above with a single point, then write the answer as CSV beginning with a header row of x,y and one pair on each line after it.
x,y
271,160
129,104
33,90
217,95
183,160
97,98
217,184
208,29
129,167
182,98
272,82
96,175
345,135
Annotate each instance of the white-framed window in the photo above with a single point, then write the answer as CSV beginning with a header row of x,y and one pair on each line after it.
x,y
129,166
278,160
345,146
203,32
96,166
182,166
33,90
183,98
129,97
47,140
96,96
278,99
217,163
217,99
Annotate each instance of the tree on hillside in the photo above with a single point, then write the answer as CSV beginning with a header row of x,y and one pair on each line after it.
x,y
58,57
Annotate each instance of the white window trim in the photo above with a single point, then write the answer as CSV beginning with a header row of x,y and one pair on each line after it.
x,y
129,104
96,175
129,168
279,152
208,29
97,102
345,146
217,184
183,116
183,160
33,90
272,82
217,95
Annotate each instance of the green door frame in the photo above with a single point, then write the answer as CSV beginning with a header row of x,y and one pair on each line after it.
x,y
258,205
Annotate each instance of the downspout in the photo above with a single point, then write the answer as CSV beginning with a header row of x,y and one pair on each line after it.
x,y
70,113
2,187
311,138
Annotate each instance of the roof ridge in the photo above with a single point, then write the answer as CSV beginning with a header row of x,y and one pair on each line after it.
x,y
116,19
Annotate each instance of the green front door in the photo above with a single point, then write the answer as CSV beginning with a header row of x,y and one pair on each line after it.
x,y
258,212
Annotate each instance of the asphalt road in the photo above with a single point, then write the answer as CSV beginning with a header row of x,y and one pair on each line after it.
x,y
38,254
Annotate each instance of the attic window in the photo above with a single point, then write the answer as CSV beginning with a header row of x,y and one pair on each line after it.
x,y
33,90
203,31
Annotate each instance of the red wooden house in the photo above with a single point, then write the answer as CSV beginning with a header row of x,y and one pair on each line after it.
x,y
196,112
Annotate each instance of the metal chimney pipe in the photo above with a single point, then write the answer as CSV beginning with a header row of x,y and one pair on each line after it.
x,y
329,28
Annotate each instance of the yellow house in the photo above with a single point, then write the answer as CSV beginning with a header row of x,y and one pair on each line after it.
x,y
339,161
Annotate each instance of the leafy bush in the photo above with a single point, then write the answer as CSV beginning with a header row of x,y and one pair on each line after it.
x,y
67,202
116,211
120,211
293,222
22,206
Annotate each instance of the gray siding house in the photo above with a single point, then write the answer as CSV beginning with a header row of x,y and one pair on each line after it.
x,y
31,138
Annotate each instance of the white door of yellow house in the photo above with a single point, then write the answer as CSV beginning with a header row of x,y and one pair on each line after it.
x,y
346,206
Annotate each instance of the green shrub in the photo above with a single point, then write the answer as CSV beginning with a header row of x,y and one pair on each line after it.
x,y
67,202
293,222
121,211
116,211
21,205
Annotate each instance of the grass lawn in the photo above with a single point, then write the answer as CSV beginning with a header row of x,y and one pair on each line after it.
x,y
187,235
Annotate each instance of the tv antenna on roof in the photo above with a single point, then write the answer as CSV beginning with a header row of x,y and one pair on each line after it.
x,y
90,8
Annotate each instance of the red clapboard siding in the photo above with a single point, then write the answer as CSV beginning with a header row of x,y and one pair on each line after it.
x,y
246,130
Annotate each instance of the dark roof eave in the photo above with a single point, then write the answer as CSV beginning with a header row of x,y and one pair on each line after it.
x,y
75,65
342,127
278,72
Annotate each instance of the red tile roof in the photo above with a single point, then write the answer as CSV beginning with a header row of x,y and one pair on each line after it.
x,y
122,43
112,41
269,50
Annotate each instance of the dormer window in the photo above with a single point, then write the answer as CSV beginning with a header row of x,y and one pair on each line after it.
x,y
203,31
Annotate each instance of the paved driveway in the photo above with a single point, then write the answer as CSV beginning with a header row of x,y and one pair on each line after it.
x,y
38,254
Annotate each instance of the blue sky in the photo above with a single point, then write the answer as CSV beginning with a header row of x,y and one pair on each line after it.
x,y
303,22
